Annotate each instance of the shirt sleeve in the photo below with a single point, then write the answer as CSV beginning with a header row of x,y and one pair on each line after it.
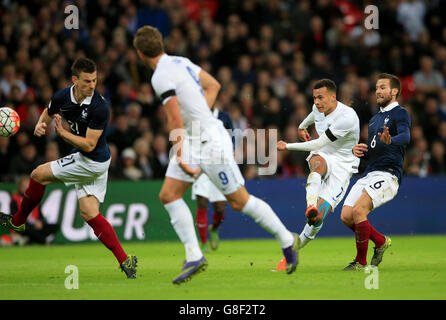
x,y
195,68
311,145
100,118
53,105
308,121
343,126
164,87
403,125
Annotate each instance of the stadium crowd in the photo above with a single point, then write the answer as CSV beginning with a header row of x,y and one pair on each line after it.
x,y
265,53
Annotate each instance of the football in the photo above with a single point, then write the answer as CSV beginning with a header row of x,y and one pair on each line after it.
x,y
9,122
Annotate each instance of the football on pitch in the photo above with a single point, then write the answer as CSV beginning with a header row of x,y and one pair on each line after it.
x,y
9,122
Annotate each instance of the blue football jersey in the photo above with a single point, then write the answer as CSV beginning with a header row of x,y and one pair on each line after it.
x,y
388,157
92,113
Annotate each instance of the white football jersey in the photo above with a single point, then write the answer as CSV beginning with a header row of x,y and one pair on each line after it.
x,y
178,76
344,125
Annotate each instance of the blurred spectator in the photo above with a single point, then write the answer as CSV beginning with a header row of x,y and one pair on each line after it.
x,y
418,159
133,112
123,135
442,133
442,103
244,73
130,171
294,163
160,156
266,55
115,168
143,157
427,79
152,14
9,79
52,151
25,162
437,163
4,159
410,14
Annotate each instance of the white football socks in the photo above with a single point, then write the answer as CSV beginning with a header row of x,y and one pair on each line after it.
x,y
262,213
308,234
183,223
313,186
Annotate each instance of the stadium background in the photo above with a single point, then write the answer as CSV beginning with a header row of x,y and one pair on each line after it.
x,y
266,54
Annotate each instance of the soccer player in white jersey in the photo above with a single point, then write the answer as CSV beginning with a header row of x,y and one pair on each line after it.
x,y
204,191
186,92
331,160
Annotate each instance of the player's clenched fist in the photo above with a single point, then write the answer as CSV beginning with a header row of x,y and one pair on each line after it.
x,y
359,149
40,129
281,145
303,135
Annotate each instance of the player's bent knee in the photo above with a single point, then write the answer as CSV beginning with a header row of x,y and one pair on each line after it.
x,y
346,214
37,174
86,216
359,213
164,197
236,205
347,219
167,197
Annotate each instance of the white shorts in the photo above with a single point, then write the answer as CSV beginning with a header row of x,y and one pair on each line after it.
x,y
213,153
89,177
381,186
336,180
205,188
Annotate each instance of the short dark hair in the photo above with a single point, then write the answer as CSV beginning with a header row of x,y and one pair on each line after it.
x,y
149,41
394,82
327,83
83,65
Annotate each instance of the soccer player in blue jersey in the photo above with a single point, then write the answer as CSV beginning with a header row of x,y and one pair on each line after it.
x,y
87,115
389,134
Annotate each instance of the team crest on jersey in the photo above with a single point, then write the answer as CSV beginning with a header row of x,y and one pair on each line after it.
x,y
84,114
386,120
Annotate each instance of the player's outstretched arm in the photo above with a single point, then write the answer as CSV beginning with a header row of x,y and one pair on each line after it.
x,y
41,125
86,144
403,133
210,86
312,145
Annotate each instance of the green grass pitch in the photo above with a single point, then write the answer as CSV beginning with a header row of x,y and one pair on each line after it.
x,y
413,268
